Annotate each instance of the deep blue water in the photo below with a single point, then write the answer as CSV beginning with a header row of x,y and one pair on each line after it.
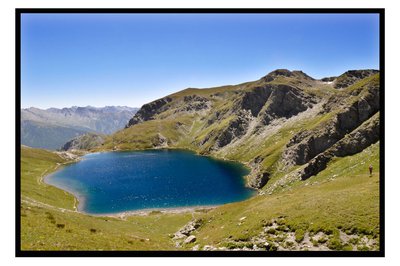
x,y
114,182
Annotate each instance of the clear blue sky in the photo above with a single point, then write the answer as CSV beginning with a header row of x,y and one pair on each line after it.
x,y
132,59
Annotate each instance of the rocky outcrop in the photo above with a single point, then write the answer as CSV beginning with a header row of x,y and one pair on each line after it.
x,y
186,230
352,76
68,155
369,95
255,99
83,142
148,111
184,235
328,79
286,101
190,239
159,141
355,142
194,103
306,144
236,128
259,180
276,100
257,177
359,139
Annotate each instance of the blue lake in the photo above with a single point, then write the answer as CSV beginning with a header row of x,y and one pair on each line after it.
x,y
115,182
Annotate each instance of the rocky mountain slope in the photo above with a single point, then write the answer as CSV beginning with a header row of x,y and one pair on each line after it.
x,y
52,128
84,142
286,126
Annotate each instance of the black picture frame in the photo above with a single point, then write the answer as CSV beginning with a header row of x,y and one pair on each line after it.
x,y
154,253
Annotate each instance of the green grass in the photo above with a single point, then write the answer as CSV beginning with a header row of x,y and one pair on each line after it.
x,y
48,229
46,226
141,136
35,164
349,202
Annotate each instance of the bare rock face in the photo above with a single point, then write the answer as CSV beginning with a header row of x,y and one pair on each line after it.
x,y
305,145
359,139
286,101
237,128
273,101
194,103
255,99
260,180
159,141
148,111
355,142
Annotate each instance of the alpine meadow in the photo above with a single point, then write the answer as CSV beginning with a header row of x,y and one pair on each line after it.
x,y
289,162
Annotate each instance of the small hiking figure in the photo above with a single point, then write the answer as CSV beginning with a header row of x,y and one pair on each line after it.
x,y
370,170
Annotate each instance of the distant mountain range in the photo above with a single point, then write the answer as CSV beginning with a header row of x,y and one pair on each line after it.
x,y
52,128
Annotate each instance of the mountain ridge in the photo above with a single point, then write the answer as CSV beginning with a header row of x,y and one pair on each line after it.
x,y
53,127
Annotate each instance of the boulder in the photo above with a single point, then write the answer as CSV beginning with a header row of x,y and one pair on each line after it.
x,y
190,239
259,180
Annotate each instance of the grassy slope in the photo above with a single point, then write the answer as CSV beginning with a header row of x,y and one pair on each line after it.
x,y
342,196
35,164
46,226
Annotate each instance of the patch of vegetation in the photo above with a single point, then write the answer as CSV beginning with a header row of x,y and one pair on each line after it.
x,y
363,248
354,240
334,242
299,235
314,242
61,226
322,240
238,245
288,244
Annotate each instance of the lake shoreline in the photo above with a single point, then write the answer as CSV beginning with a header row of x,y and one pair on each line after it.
x,y
80,199
154,211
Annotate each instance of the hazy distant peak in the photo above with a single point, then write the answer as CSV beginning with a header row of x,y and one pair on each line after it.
x,y
88,107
